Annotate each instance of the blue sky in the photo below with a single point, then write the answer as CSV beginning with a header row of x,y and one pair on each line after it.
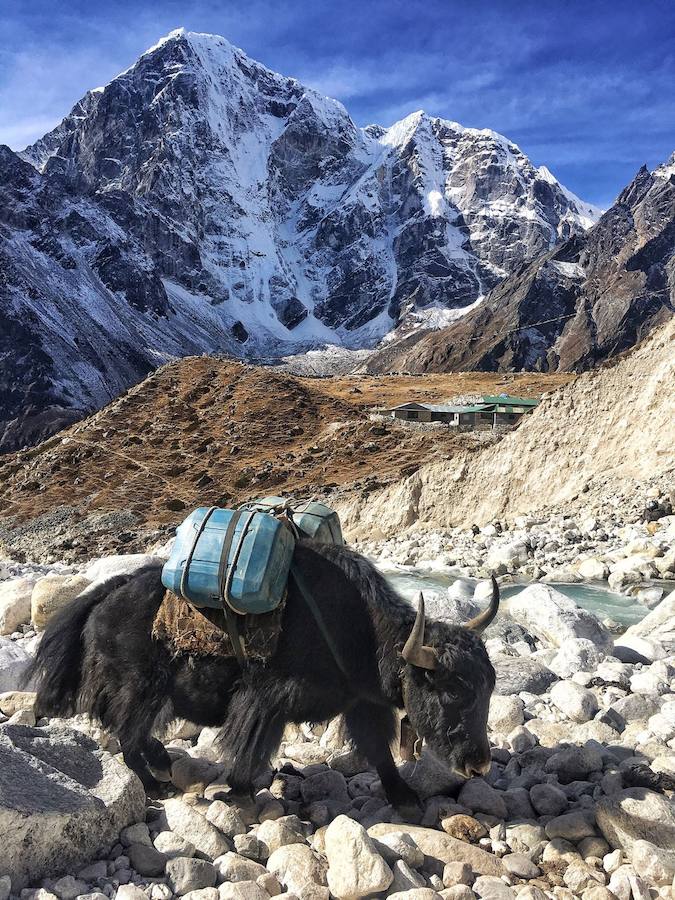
x,y
586,88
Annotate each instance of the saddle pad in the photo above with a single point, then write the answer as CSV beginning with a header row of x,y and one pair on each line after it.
x,y
203,632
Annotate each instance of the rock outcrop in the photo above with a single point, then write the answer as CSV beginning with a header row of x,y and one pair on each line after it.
x,y
588,299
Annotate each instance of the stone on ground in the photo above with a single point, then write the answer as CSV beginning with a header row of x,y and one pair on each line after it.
x,y
62,801
554,618
634,815
15,597
355,868
52,593
193,827
441,848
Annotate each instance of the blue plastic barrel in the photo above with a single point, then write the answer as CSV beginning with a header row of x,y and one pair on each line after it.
x,y
259,578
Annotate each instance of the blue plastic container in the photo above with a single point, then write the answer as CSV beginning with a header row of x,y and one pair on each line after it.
x,y
260,573
313,519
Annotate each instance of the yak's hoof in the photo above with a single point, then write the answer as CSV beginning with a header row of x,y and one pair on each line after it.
x,y
406,803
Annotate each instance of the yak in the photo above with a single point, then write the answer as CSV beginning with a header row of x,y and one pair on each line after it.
x,y
370,655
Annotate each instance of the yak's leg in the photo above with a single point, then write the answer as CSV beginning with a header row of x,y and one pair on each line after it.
x,y
372,729
134,759
158,759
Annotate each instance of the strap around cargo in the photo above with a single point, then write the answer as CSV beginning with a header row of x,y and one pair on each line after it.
x,y
188,560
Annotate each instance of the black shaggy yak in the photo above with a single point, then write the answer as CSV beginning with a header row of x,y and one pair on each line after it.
x,y
98,656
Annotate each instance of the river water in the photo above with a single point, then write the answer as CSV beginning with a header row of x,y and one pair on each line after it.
x,y
594,597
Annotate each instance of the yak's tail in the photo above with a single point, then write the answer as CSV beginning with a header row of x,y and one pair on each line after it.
x,y
57,666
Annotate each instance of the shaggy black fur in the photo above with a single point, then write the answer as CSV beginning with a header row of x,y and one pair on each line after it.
x,y
98,657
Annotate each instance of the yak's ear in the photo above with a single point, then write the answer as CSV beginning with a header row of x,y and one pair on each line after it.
x,y
415,652
480,622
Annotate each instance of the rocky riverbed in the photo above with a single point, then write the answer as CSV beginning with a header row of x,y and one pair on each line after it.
x,y
578,802
626,545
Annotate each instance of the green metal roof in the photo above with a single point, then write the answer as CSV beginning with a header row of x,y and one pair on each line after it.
x,y
508,400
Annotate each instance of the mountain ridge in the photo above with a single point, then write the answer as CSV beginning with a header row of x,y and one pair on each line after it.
x,y
201,203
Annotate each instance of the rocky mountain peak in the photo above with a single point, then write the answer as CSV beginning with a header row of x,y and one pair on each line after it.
x,y
201,202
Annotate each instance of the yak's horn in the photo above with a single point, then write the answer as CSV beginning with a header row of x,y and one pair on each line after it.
x,y
415,651
480,622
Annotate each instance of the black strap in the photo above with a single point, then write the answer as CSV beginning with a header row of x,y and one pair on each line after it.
x,y
223,573
225,552
188,561
308,597
316,612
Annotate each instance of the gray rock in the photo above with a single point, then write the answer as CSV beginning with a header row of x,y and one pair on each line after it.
x,y
520,865
458,892
209,893
573,826
399,845
575,702
518,804
355,868
185,874
249,846
576,655
172,845
554,618
492,888
405,878
574,763
139,833
193,827
428,777
14,662
655,864
634,815
242,890
146,860
232,867
506,713
457,873
516,674
62,801
225,818
278,833
548,800
478,796
441,849
327,785
296,867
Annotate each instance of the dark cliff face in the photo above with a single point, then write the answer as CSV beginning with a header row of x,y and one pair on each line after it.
x,y
202,203
587,300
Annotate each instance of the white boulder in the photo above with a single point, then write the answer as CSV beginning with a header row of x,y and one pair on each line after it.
x,y
554,618
658,625
355,868
576,655
636,814
577,703
53,592
13,664
15,597
108,566
592,569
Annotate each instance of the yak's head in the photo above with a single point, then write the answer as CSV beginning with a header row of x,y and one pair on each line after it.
x,y
447,689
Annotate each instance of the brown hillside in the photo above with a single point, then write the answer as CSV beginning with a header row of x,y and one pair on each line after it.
x,y
211,431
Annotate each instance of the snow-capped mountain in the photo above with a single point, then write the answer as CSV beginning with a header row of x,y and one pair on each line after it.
x,y
203,203
591,297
